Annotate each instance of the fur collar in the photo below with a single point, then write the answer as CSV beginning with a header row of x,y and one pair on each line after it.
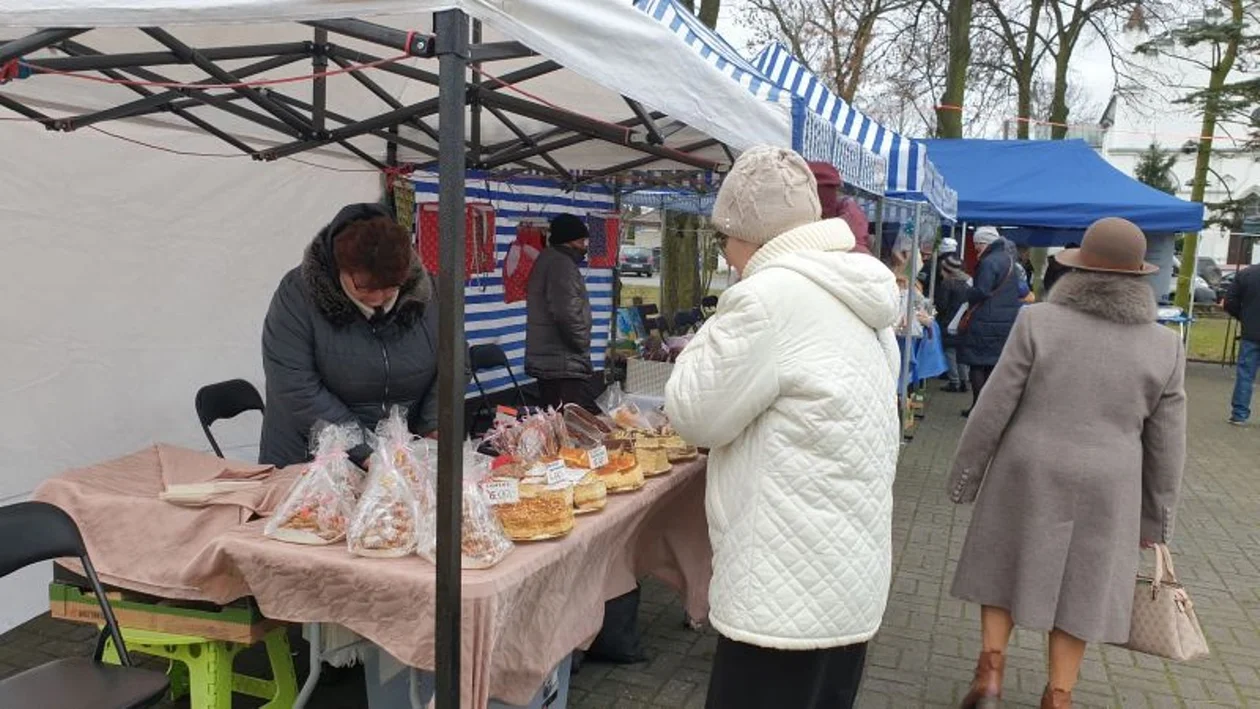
x,y
320,275
1127,300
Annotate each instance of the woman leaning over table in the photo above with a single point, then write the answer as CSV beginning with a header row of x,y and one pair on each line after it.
x,y
1079,441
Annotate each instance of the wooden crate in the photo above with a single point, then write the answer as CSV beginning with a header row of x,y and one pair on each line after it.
x,y
238,623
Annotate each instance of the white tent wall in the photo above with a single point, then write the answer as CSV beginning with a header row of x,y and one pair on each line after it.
x,y
131,278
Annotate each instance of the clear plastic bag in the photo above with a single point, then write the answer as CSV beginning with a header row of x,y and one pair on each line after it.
x,y
387,520
484,543
320,504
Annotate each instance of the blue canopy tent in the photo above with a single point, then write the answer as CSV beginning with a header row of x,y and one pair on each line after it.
x,y
911,174
1054,189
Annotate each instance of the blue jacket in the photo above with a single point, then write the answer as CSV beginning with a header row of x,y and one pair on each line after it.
x,y
995,302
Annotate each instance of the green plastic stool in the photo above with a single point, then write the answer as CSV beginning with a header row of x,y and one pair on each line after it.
x,y
202,668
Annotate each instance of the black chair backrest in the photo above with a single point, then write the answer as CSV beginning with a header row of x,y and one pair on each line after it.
x,y
37,531
483,357
34,532
226,400
709,301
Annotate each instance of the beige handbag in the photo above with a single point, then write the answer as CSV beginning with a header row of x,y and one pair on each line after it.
x,y
1164,623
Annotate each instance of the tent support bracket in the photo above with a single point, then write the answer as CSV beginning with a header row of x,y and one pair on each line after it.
x,y
421,44
37,40
653,133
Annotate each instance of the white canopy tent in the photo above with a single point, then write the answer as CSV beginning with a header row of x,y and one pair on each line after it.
x,y
147,246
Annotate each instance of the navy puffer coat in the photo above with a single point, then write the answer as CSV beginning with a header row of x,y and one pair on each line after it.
x,y
995,302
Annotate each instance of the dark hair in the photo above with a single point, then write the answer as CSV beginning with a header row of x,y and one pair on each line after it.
x,y
377,248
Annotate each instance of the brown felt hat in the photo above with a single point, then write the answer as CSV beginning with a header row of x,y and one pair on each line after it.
x,y
1111,245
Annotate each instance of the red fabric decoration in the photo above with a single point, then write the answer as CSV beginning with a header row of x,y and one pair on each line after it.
x,y
531,235
605,230
479,256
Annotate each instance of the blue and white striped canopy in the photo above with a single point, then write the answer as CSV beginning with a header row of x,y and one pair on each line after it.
x,y
816,140
910,172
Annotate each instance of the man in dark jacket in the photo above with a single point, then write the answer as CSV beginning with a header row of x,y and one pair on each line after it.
x,y
1243,302
558,318
1055,270
994,301
350,333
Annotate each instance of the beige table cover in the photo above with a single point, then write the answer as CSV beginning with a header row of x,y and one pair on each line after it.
x,y
139,542
520,618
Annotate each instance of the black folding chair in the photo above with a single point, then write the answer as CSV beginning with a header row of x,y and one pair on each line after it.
x,y
225,400
684,321
37,531
483,358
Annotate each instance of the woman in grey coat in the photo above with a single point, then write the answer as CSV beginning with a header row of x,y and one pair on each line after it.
x,y
1076,449
350,333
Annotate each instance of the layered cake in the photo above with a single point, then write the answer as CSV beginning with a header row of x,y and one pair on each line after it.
x,y
623,473
542,512
590,494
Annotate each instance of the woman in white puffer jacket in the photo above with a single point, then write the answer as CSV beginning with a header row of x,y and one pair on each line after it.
x,y
793,385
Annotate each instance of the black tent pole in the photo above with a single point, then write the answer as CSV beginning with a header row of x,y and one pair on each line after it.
x,y
451,28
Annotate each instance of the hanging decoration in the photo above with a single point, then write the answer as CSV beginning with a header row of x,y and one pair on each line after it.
x,y
605,230
479,256
531,238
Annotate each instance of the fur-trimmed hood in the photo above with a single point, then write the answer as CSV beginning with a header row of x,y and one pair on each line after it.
x,y
320,274
1127,300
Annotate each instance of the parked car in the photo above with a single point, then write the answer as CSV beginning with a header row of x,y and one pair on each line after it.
x,y
636,260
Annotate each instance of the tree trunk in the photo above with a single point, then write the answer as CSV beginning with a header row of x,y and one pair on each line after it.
x,y
1058,104
1203,159
680,265
709,10
1023,106
949,118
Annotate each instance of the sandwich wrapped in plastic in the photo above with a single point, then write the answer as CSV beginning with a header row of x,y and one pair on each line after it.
x,y
386,522
318,507
484,543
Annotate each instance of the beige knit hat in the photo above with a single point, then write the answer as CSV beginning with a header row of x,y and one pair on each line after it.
x,y
768,191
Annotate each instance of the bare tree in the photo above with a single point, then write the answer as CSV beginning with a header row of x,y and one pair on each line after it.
x,y
837,40
1017,26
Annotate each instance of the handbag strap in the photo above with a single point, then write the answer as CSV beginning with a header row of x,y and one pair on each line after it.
x,y
1164,571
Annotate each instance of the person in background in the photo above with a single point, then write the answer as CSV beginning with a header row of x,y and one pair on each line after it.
x,y
350,333
1074,457
1025,263
804,435
993,303
835,205
1243,302
558,319
1054,270
952,289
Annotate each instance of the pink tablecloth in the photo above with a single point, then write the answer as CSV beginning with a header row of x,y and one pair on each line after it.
x,y
520,618
139,542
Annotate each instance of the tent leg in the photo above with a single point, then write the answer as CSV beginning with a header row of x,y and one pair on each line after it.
x,y
877,240
452,49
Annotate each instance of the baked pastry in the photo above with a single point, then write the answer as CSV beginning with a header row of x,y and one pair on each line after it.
x,y
316,519
654,461
682,454
389,531
542,511
590,494
483,543
622,474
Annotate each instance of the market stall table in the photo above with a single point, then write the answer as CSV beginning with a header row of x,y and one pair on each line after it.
x,y
520,618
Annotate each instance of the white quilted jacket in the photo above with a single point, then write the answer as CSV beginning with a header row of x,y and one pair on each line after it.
x,y
793,385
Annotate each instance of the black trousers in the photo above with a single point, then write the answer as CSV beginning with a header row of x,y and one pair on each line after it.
x,y
750,677
556,392
979,377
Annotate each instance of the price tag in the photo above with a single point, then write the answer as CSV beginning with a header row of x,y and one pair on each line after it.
x,y
504,491
598,456
557,473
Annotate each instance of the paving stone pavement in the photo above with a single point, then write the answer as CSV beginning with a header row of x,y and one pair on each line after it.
x,y
924,654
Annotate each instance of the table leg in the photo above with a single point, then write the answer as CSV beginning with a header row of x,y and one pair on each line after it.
x,y
312,677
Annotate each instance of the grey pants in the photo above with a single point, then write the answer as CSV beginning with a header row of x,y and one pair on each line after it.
x,y
958,373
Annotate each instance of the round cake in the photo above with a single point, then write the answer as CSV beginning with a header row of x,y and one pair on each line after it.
x,y
541,513
623,473
590,494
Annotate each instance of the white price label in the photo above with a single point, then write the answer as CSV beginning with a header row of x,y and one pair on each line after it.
x,y
557,473
505,491
598,456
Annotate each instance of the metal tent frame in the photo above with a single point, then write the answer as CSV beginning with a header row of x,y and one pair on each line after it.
x,y
301,126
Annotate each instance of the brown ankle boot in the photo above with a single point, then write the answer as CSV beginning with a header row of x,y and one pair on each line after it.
x,y
986,688
1056,699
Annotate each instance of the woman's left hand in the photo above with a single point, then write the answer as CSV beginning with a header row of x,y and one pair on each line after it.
x,y
1148,544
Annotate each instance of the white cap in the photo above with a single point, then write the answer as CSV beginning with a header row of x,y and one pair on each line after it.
x,y
986,235
949,245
